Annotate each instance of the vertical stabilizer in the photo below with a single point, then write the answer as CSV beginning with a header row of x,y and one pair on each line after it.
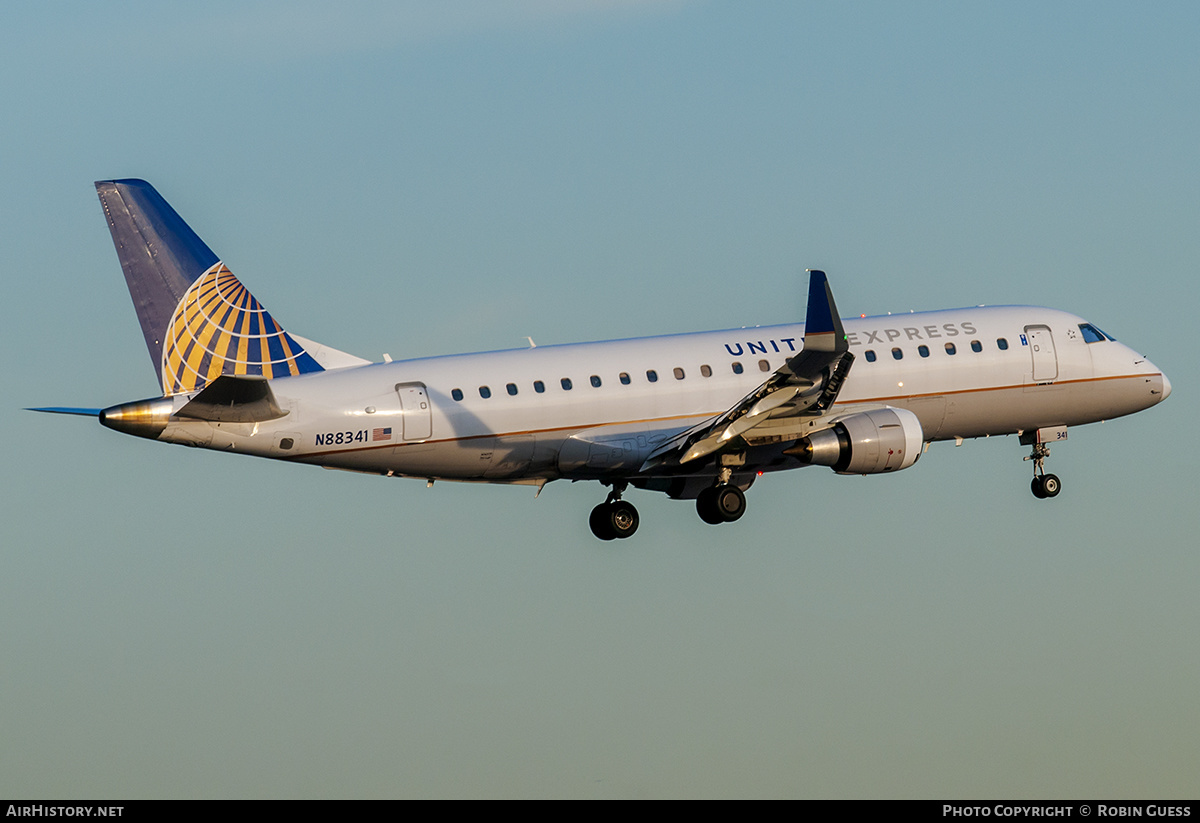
x,y
160,254
198,320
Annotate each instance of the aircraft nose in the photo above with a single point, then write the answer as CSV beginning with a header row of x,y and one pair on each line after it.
x,y
1166,388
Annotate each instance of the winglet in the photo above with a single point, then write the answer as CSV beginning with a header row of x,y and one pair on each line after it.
x,y
822,328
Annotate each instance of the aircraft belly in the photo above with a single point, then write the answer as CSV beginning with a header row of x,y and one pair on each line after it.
x,y
1105,399
1005,411
511,456
931,411
590,455
189,433
608,451
465,459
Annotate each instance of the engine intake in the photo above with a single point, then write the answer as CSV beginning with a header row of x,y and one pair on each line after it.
x,y
882,440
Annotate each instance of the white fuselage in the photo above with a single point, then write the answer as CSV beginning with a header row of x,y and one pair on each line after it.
x,y
430,417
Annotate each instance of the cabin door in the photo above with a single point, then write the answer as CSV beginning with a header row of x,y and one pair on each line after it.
x,y
1041,348
416,409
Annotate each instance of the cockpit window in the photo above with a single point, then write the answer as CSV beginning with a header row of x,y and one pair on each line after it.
x,y
1091,334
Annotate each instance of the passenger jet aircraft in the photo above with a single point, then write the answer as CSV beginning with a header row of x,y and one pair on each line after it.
x,y
696,416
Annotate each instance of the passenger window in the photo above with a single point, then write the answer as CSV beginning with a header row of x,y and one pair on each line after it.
x,y
624,378
706,371
485,392
976,346
566,383
1001,344
512,389
652,376
539,387
923,351
950,348
870,355
737,367
763,365
456,394
897,354
678,373
595,380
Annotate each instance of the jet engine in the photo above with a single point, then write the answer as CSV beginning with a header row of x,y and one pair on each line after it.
x,y
881,440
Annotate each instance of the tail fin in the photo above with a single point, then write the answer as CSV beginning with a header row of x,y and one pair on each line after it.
x,y
198,320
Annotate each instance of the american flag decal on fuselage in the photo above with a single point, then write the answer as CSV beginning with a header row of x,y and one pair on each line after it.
x,y
381,434
220,328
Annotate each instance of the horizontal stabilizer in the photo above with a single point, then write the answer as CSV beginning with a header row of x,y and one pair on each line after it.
x,y
230,399
68,410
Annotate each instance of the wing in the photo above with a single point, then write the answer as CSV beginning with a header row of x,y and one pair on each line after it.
x,y
802,389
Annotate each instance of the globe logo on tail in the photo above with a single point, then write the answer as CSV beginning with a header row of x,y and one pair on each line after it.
x,y
220,328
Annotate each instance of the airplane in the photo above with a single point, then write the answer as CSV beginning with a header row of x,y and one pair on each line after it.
x,y
695,416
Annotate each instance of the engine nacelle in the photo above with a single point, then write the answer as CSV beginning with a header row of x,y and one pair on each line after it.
x,y
882,440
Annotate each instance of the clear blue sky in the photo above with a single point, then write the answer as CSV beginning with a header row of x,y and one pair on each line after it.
x,y
428,178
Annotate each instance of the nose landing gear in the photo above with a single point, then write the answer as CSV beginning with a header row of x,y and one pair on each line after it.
x,y
614,518
1043,485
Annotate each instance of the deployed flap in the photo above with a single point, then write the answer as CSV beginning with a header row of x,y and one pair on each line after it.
x,y
230,399
806,384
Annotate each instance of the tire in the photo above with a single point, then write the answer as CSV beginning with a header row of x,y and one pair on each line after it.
x,y
706,507
1036,488
601,523
1051,485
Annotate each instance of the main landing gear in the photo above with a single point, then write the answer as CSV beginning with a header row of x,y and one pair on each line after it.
x,y
1043,485
614,518
722,503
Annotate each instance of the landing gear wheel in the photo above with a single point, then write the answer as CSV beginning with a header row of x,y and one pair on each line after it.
x,y
1046,485
706,507
721,504
623,518
731,503
601,523
616,519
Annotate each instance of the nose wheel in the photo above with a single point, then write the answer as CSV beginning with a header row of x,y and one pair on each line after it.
x,y
1044,485
614,518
